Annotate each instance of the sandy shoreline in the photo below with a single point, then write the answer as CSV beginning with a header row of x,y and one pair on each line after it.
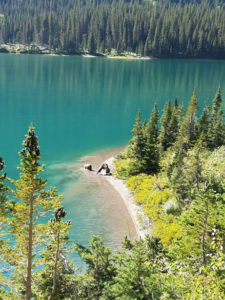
x,y
140,222
128,57
124,57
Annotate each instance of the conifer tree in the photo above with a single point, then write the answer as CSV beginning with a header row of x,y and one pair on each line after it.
x,y
91,43
174,122
190,178
137,275
164,139
203,125
32,202
217,101
3,193
4,209
203,216
175,172
100,268
151,146
136,148
216,128
187,132
57,279
169,125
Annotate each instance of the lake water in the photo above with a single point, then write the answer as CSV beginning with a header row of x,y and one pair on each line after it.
x,y
83,105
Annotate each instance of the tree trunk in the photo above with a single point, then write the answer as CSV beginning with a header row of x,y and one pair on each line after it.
x,y
30,250
55,274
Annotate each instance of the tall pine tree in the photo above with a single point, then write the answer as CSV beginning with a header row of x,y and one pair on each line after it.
x,y
136,148
187,131
164,136
33,201
216,128
203,125
173,125
151,145
57,279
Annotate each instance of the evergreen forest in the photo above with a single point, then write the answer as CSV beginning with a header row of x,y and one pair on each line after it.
x,y
190,29
174,165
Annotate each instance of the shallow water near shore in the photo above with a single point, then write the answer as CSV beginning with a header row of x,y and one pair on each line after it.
x,y
80,106
90,195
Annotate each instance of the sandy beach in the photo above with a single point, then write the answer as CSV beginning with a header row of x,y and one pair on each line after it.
x,y
124,57
128,57
140,222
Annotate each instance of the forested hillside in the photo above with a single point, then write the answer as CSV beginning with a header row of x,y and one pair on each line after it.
x,y
176,173
153,28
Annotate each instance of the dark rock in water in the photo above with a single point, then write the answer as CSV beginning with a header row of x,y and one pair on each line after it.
x,y
88,167
104,170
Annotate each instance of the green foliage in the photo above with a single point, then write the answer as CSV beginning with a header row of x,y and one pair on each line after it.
x,y
185,201
4,211
137,276
32,201
164,139
173,125
143,150
127,167
187,132
136,148
198,222
216,129
214,164
153,193
57,279
100,269
151,151
204,124
3,189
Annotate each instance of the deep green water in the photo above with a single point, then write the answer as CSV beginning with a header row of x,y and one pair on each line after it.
x,y
81,105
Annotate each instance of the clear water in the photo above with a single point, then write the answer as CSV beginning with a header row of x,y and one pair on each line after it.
x,y
82,105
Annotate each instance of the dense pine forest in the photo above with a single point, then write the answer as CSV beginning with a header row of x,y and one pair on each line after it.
x,y
149,28
175,168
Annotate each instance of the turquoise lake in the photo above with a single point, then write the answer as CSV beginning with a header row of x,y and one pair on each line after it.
x,y
83,105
